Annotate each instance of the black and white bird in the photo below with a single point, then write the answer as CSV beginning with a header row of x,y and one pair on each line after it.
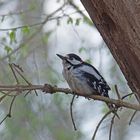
x,y
83,77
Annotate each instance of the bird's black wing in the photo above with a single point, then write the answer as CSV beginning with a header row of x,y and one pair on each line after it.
x,y
95,80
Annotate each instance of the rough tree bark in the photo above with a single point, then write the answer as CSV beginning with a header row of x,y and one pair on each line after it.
x,y
118,21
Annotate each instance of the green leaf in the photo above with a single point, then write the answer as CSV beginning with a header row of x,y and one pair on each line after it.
x,y
77,21
12,36
8,49
88,61
26,29
70,20
82,49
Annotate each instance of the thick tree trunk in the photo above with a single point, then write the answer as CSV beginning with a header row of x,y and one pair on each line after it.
x,y
118,21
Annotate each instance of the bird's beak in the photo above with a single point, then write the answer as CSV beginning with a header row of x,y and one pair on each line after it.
x,y
61,57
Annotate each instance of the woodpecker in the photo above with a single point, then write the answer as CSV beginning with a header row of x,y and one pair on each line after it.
x,y
82,77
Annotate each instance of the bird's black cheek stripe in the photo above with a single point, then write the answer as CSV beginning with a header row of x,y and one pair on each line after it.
x,y
69,63
69,67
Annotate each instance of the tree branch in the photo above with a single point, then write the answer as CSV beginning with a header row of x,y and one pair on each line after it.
x,y
53,89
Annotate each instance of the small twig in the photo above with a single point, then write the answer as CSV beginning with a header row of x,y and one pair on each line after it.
x,y
93,138
22,76
36,93
6,94
2,97
71,112
3,119
27,93
11,66
19,70
117,92
19,67
22,26
15,13
132,117
10,111
111,125
127,95
136,96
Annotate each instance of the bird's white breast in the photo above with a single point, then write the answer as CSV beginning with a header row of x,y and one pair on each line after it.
x,y
75,81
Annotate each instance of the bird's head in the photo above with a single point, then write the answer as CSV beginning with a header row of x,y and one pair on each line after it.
x,y
70,59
